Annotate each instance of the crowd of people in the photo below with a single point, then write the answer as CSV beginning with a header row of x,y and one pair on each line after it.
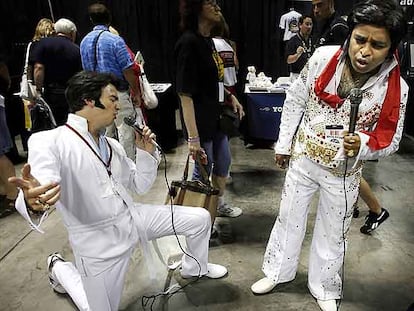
x,y
91,88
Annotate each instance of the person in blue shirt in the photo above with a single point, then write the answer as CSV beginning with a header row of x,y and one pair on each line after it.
x,y
103,51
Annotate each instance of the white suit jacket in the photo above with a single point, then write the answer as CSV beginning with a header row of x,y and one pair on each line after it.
x,y
98,220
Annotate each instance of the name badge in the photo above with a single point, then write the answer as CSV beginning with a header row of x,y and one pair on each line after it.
x,y
334,133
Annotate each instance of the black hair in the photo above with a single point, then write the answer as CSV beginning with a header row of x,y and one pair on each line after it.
x,y
380,13
99,14
303,17
189,11
87,85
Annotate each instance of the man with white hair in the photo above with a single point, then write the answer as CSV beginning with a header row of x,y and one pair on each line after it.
x,y
56,60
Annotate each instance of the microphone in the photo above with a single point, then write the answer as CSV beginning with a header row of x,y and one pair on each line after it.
x,y
130,121
355,97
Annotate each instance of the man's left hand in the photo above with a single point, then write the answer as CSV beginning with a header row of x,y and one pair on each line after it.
x,y
352,143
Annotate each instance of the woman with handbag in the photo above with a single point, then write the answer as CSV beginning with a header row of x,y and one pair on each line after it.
x,y
199,84
44,29
28,94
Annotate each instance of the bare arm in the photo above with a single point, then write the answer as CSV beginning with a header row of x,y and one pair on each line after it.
x,y
189,115
294,57
39,75
190,123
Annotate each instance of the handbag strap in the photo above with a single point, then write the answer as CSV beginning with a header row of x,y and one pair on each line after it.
x,y
42,103
204,175
26,61
95,50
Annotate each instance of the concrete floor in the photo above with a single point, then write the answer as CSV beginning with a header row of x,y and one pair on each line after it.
x,y
379,273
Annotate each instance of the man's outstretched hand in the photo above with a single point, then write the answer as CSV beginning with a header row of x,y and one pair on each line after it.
x,y
39,197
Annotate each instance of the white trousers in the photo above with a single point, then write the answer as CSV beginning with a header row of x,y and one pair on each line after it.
x,y
125,133
104,290
68,276
332,222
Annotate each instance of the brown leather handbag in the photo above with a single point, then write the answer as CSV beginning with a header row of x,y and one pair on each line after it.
x,y
194,193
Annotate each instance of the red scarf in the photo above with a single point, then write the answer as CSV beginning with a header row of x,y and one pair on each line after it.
x,y
384,131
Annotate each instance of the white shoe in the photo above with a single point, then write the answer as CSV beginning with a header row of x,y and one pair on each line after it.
x,y
54,283
214,272
225,210
263,286
327,305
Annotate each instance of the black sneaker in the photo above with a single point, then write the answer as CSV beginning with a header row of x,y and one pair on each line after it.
x,y
355,212
372,221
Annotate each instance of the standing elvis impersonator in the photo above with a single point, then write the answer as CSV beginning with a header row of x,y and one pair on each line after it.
x,y
322,153
87,176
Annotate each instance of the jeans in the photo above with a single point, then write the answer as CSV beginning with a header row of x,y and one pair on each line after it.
x,y
218,156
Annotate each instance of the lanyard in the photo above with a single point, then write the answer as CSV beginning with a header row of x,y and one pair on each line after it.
x,y
107,165
307,47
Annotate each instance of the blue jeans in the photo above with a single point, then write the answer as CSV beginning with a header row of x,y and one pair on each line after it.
x,y
218,156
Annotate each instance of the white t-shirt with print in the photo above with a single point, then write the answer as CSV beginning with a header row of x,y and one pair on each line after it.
x,y
289,22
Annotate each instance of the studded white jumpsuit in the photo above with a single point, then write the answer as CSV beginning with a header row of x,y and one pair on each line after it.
x,y
317,163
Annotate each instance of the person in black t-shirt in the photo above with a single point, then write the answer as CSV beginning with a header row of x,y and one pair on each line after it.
x,y
199,84
330,28
299,47
44,29
56,60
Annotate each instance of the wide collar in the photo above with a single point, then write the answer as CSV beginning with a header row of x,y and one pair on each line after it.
x,y
384,131
330,76
78,123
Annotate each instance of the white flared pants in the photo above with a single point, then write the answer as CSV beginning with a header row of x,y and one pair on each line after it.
x,y
332,222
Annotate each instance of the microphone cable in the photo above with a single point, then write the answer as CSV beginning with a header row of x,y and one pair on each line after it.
x,y
343,233
355,97
169,292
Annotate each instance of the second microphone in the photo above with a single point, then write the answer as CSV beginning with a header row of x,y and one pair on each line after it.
x,y
130,121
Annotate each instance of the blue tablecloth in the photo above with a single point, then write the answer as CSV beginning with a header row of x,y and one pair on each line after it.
x,y
263,112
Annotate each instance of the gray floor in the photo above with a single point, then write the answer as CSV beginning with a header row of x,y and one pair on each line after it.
x,y
379,273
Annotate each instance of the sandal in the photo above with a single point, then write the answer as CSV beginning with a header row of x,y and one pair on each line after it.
x,y
7,207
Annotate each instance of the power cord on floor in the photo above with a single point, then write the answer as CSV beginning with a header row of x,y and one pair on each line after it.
x,y
149,301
